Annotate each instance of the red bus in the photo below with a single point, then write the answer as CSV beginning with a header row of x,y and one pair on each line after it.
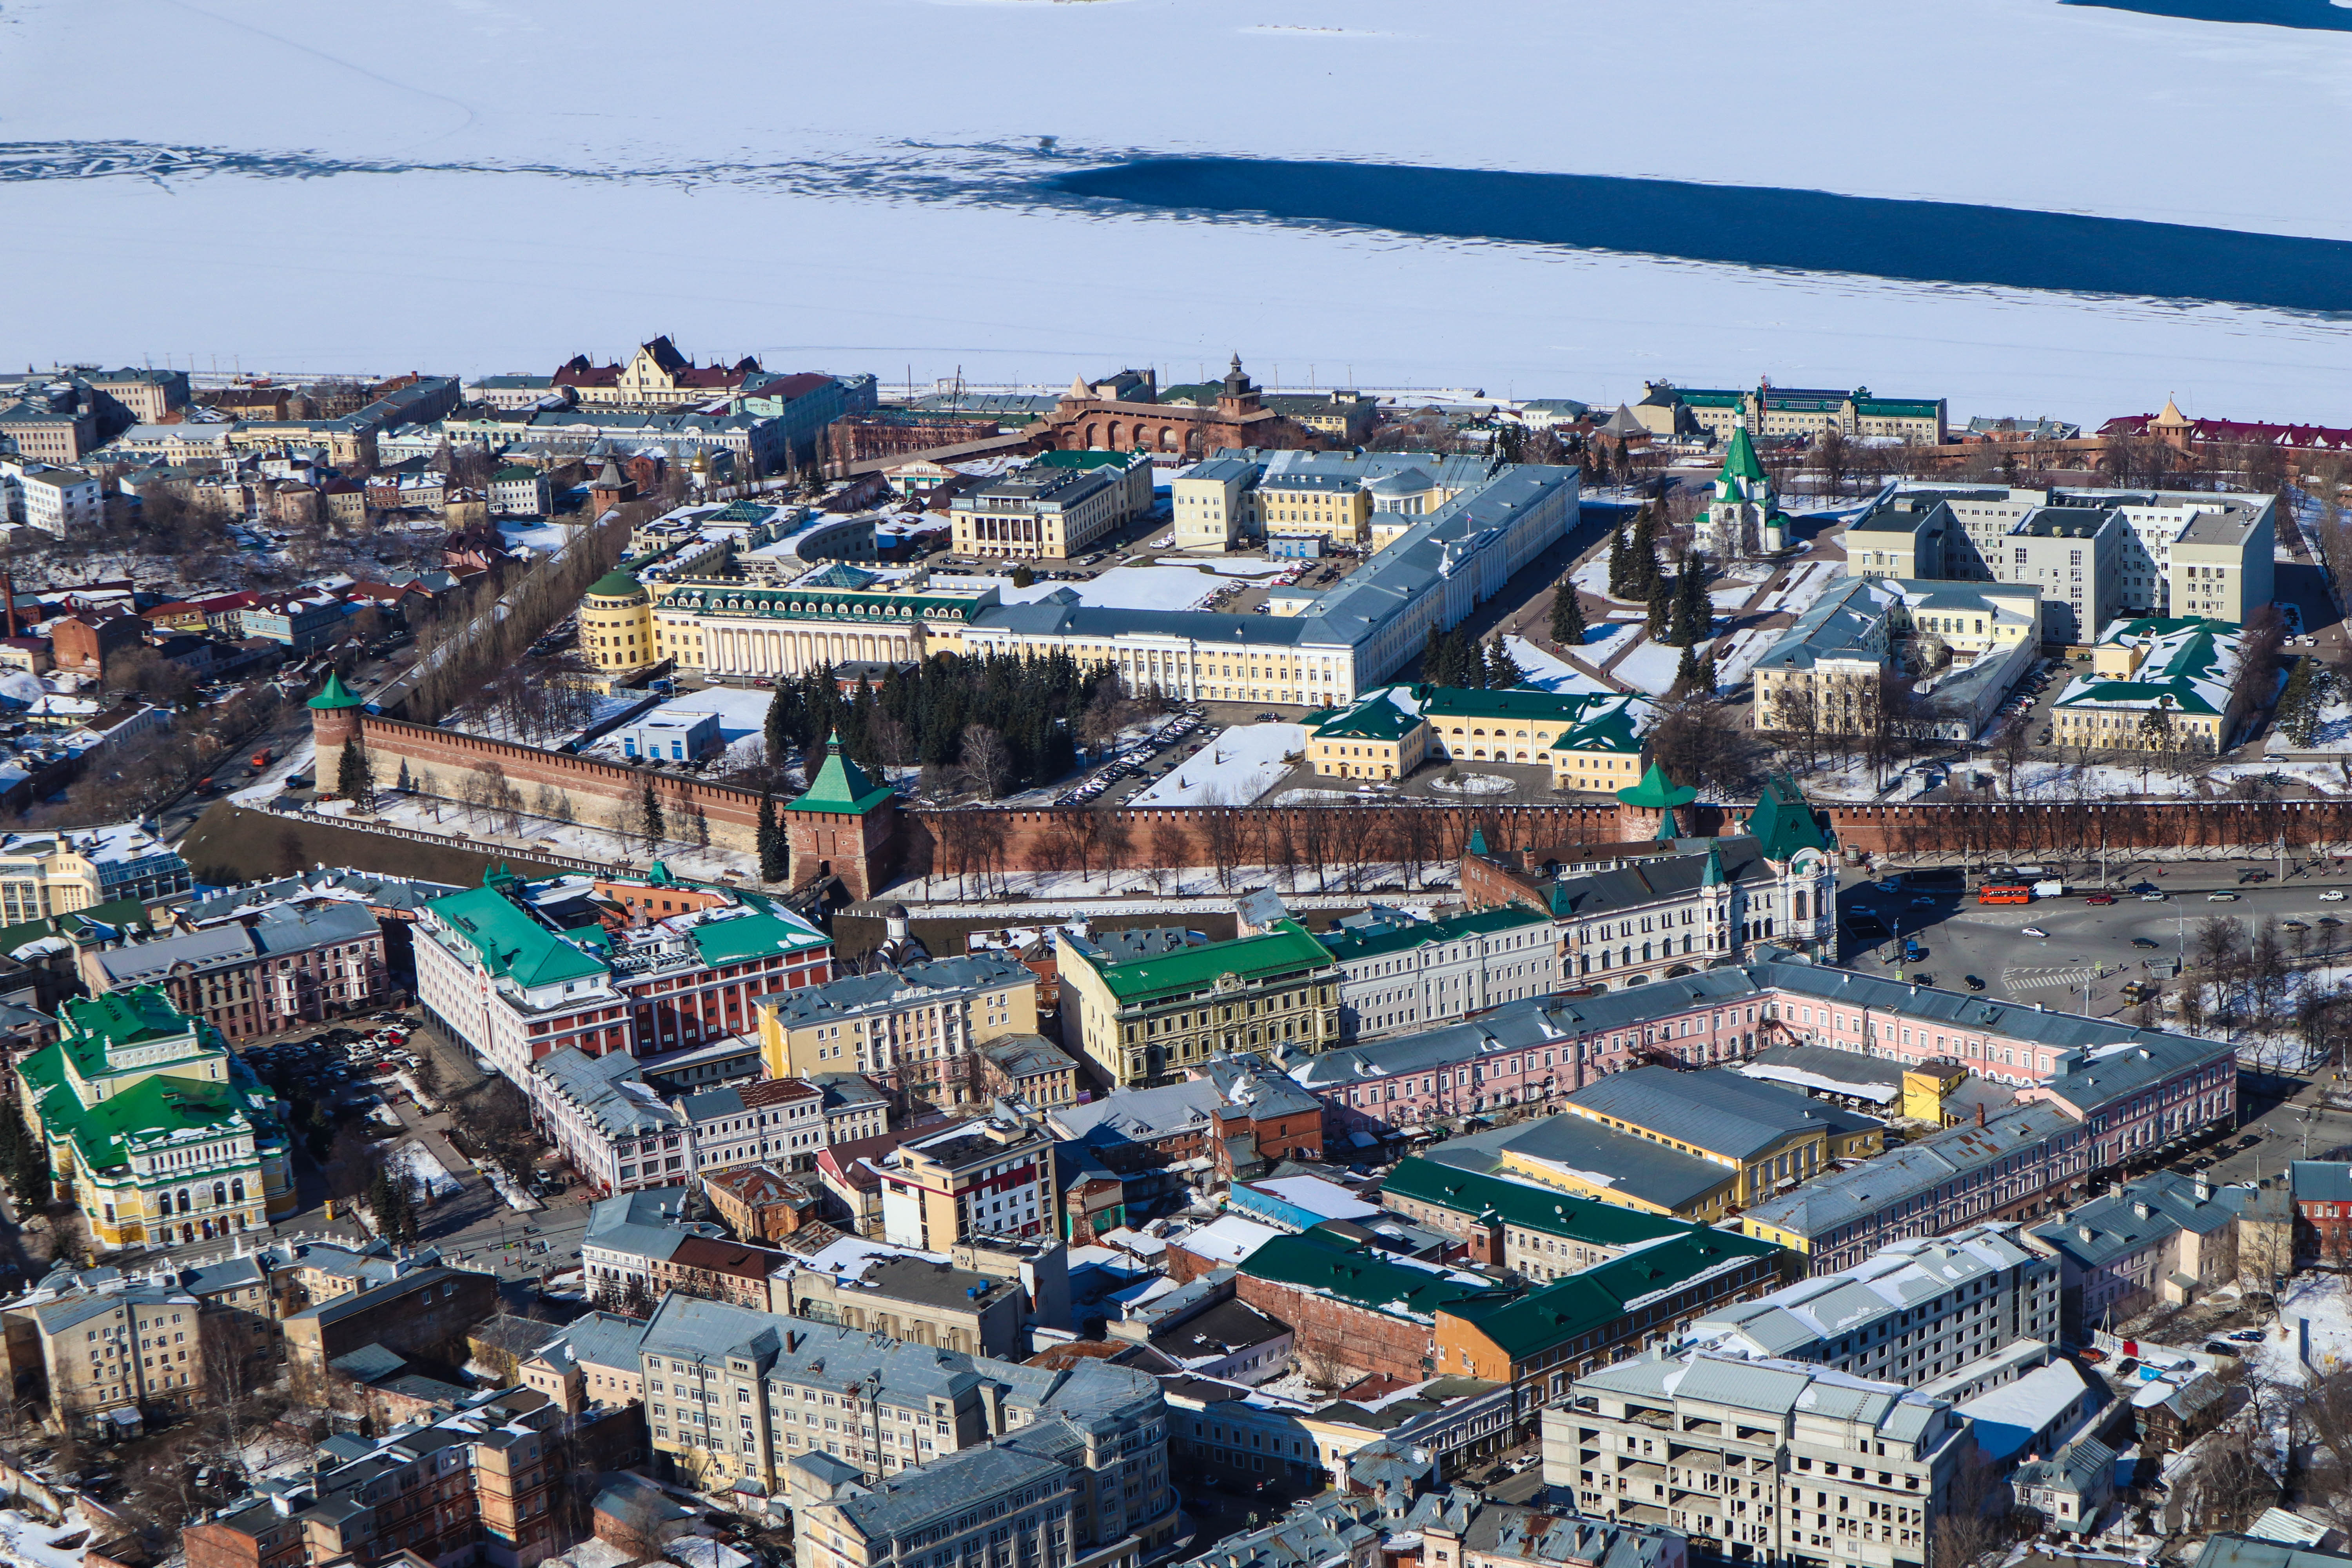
x,y
2004,893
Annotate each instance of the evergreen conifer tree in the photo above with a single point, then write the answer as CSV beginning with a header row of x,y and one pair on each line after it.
x,y
2299,704
1707,678
650,824
1662,604
1641,554
1567,616
1692,614
354,778
1619,558
774,854
1501,670
1686,673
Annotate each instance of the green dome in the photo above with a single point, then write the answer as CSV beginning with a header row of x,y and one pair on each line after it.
x,y
615,584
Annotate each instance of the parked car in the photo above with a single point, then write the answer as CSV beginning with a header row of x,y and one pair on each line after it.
x,y
2036,931
1972,982
2223,1347
2245,1336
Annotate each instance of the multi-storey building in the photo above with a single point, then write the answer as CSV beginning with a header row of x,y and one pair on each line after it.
x,y
2016,1163
1590,741
1143,1007
1960,647
415,1313
1045,510
2175,553
1316,650
2165,1237
62,501
162,1134
114,1352
1300,499
777,1120
915,1029
1796,1465
1770,1137
922,1300
2156,686
734,1394
49,430
1398,972
1514,1224
1465,1531
270,971
985,1178
1216,504
606,1120
655,376
831,615
55,873
627,1233
1769,410
145,395
672,973
477,1484
1912,1314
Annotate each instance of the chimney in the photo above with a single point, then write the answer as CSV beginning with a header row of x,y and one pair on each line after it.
x,y
1980,1113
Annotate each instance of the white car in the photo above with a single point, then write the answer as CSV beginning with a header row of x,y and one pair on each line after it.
x,y
2151,897
2036,931
2221,897
2333,896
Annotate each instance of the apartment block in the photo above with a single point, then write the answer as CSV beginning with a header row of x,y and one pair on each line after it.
x,y
923,1300
475,1485
975,1179
115,1353
1042,511
55,873
1143,1006
915,1029
1772,1462
1398,972
65,503
420,1313
775,1120
274,970
1912,1314
810,1410
1216,504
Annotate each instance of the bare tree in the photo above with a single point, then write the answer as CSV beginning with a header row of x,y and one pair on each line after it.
x,y
987,760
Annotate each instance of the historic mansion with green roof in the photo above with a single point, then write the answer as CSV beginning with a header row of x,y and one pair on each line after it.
x,y
157,1132
1146,1006
1590,740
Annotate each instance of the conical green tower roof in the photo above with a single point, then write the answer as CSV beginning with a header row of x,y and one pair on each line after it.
x,y
1739,460
1713,876
841,786
1655,793
335,694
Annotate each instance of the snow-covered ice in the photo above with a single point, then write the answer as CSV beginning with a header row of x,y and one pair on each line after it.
x,y
840,203
1235,769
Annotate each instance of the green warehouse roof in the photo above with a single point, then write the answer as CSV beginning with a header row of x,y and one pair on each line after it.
x,y
1525,1206
1287,947
1593,1300
1362,1277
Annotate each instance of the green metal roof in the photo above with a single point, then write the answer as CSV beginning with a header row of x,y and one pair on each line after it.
x,y
1526,1207
1900,407
1595,1299
1615,727
1504,702
510,943
1376,718
615,584
1084,458
114,1019
1362,1277
1739,459
1345,944
750,936
1289,946
1782,823
841,787
334,694
1656,791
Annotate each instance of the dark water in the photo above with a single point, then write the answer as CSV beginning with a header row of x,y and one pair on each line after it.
x,y
1806,231
2316,13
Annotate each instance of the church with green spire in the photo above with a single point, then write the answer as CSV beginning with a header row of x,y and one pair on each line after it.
x,y
1743,518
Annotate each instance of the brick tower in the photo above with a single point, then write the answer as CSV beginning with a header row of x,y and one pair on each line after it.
x,y
845,825
335,716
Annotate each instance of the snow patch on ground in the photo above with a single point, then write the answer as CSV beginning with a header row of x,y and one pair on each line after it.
x,y
1650,668
1809,582
1237,767
424,1173
1735,656
27,1541
1472,783
1227,568
1548,673
2317,1300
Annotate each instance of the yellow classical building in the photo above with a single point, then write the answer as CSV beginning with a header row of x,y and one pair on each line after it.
x,y
156,1131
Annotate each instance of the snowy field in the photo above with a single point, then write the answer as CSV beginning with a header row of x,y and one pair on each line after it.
x,y
1240,765
1650,668
844,205
1548,673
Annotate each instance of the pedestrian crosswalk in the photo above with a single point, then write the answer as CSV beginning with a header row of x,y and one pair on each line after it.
x,y
2029,979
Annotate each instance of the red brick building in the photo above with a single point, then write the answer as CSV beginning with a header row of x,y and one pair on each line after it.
x,y
1125,415
84,643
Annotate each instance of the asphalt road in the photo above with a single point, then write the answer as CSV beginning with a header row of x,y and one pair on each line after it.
x,y
2084,962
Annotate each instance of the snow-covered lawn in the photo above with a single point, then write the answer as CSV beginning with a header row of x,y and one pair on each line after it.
x,y
1593,578
545,537
2318,1300
422,1171
1728,601
1735,656
1808,582
1650,668
1237,767
603,709
1550,673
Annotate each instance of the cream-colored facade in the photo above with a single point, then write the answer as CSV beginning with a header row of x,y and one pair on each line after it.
x,y
118,1351
1339,508
616,623
919,1035
731,625
1216,504
1194,668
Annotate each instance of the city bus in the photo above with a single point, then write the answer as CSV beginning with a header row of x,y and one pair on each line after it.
x,y
2004,893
